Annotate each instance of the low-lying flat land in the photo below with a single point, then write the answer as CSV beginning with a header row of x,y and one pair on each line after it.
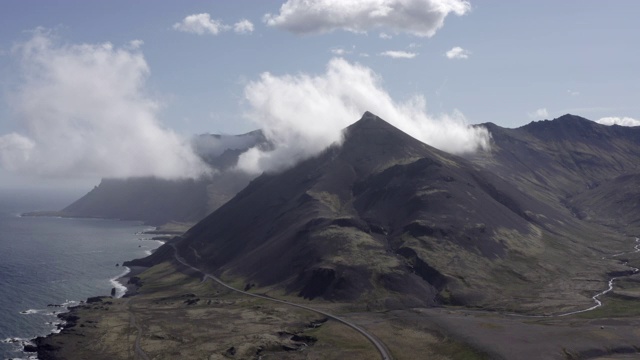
x,y
176,315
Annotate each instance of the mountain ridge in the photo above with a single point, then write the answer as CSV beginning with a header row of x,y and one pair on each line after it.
x,y
386,219
157,201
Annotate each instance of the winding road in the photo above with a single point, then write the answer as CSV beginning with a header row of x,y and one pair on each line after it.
x,y
384,353
379,345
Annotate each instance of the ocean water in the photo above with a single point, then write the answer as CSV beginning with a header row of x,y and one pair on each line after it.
x,y
54,261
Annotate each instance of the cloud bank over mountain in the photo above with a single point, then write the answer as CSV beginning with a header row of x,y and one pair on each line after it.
x,y
622,121
303,114
85,113
416,17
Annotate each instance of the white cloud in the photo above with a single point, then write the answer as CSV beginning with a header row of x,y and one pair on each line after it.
x,y
385,36
539,114
339,51
573,92
203,24
15,149
416,17
622,121
303,114
86,114
243,26
200,24
399,54
135,44
458,53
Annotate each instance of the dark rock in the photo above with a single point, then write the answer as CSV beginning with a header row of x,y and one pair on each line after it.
x,y
248,286
304,338
289,348
231,351
94,299
319,282
134,280
317,323
70,320
44,348
30,348
191,301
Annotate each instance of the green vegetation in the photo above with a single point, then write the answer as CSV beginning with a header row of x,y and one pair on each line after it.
x,y
342,342
455,350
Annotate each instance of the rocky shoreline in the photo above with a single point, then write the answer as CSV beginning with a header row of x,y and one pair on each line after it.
x,y
48,347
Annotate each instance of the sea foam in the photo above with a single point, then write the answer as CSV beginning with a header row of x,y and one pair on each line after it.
x,y
120,288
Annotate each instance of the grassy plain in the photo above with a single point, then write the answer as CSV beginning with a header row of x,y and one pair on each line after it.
x,y
176,315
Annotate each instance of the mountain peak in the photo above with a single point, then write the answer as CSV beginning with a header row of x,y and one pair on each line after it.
x,y
566,127
368,114
372,124
573,119
373,144
566,119
371,132
369,119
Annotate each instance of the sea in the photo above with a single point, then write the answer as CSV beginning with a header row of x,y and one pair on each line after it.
x,y
48,263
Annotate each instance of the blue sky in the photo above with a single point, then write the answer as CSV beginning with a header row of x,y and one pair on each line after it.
x,y
523,61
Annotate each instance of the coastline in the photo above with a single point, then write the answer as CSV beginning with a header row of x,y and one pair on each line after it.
x,y
129,282
47,347
125,285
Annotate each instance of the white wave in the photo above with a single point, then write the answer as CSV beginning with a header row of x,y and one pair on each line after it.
x,y
146,229
18,344
120,288
15,340
150,251
57,329
31,311
69,303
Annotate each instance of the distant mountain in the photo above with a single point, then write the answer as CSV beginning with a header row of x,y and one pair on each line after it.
x,y
575,164
390,221
157,201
